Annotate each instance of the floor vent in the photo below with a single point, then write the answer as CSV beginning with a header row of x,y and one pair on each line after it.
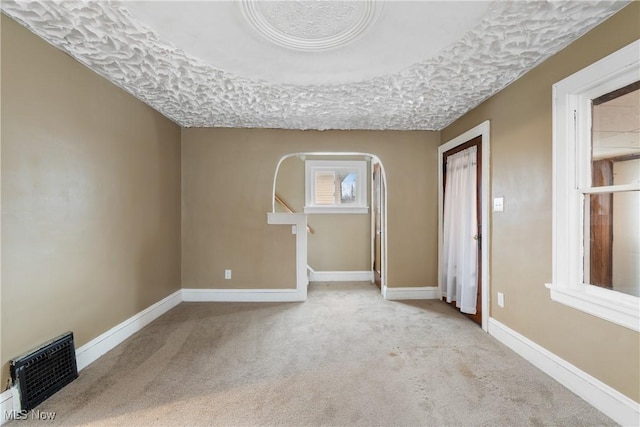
x,y
42,372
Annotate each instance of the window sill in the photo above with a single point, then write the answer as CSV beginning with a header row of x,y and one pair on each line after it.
x,y
616,307
335,210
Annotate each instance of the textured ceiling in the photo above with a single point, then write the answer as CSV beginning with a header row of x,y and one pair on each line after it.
x,y
166,54
310,42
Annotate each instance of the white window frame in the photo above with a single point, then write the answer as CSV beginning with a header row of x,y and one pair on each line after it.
x,y
571,182
358,166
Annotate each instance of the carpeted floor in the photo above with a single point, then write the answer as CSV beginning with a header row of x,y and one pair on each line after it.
x,y
345,357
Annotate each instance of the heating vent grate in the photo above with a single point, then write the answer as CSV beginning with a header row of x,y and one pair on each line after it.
x,y
42,372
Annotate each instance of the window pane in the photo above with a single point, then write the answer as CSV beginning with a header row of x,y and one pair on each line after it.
x,y
325,182
615,135
348,187
335,187
613,250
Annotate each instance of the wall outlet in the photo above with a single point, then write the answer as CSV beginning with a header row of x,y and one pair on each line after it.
x,y
500,299
227,274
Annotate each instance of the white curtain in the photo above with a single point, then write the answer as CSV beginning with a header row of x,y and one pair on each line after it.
x,y
460,247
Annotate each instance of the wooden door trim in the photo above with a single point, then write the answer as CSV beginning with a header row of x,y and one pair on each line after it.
x,y
484,130
475,142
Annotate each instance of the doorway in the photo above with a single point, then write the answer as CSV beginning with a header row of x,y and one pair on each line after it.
x,y
463,228
378,202
321,251
462,222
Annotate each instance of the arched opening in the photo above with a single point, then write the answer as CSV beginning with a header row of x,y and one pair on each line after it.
x,y
344,241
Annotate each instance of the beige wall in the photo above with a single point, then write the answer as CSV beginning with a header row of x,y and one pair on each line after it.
x,y
227,187
521,172
340,242
91,204
226,194
90,199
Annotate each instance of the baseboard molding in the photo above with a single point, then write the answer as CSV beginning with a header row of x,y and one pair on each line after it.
x,y
607,400
426,292
242,295
88,353
6,406
341,276
91,351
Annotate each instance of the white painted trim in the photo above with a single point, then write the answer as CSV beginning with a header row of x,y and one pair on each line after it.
x,y
336,210
425,292
91,351
341,276
6,405
243,295
302,155
571,119
300,221
362,185
373,159
310,271
383,213
484,130
635,186
616,307
88,353
609,401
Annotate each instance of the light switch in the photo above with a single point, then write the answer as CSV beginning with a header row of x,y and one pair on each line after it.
x,y
498,204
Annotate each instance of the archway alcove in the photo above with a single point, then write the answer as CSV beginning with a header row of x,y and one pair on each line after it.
x,y
338,246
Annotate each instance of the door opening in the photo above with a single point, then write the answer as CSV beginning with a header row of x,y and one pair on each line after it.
x,y
321,253
377,203
477,138
462,188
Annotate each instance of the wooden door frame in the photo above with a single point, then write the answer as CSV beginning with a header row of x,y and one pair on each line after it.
x,y
482,130
475,143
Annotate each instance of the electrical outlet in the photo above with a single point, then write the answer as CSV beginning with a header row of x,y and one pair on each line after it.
x,y
500,299
227,274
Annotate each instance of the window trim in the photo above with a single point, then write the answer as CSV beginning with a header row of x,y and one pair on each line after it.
x,y
571,125
358,166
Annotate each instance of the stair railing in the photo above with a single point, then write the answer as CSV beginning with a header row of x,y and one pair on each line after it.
x,y
288,208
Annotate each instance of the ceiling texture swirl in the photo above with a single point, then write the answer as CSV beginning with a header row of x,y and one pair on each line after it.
x,y
365,64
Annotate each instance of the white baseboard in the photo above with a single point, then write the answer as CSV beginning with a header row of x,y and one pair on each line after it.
x,y
425,292
607,400
6,406
88,353
341,276
242,295
98,346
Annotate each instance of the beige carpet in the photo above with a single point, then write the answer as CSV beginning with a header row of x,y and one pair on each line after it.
x,y
345,357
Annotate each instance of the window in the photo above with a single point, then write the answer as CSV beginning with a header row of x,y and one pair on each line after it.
x,y
596,199
612,202
335,186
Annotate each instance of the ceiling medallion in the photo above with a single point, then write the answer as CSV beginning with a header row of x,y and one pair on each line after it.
x,y
311,25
